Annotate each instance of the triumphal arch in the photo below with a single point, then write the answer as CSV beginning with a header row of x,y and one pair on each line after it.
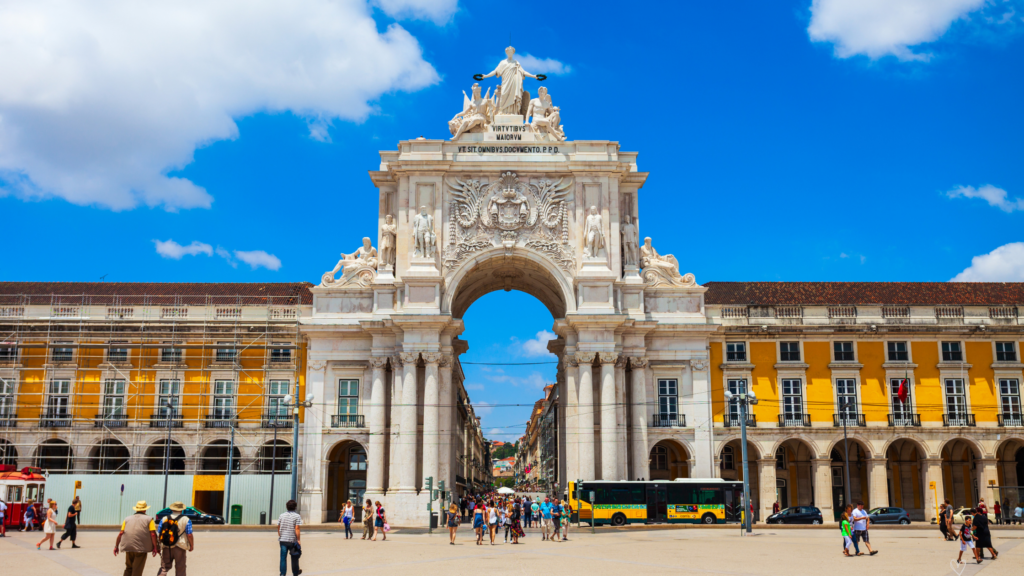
x,y
509,202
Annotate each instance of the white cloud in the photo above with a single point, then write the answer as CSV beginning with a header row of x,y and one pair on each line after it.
x,y
437,11
171,249
226,255
878,28
535,65
538,346
1004,264
843,255
994,196
497,432
101,100
258,258
473,386
482,409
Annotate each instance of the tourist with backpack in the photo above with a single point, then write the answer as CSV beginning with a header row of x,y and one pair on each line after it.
x,y
137,539
175,536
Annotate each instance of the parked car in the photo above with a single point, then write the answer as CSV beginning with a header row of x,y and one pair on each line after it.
x,y
958,516
889,516
196,515
796,515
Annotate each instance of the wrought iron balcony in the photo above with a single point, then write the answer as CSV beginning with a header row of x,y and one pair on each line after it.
x,y
1011,419
347,421
668,421
848,419
276,421
8,420
219,421
904,419
794,420
163,421
732,420
957,419
55,420
111,421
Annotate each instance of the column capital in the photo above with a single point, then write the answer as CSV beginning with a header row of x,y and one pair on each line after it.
x,y
409,357
445,361
316,365
638,361
585,357
378,362
699,365
432,357
620,362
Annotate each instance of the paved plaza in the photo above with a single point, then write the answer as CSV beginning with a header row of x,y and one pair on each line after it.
x,y
629,551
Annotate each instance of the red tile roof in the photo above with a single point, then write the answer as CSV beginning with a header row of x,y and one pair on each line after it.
x,y
144,293
825,293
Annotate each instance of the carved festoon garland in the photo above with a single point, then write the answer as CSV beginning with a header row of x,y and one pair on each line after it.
x,y
509,212
317,365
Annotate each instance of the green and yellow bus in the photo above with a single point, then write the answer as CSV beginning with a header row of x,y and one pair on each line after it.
x,y
684,500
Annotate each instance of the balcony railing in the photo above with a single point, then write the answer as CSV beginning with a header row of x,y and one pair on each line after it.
x,y
899,420
347,421
55,420
162,421
958,419
8,420
730,420
111,421
794,420
276,421
219,421
1011,419
668,421
848,419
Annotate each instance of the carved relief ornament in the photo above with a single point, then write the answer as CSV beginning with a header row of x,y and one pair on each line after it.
x,y
699,365
316,365
638,361
378,362
585,357
409,357
432,357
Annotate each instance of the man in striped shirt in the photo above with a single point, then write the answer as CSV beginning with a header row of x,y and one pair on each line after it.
x,y
288,534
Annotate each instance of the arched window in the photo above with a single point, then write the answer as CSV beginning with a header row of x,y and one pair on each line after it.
x,y
659,458
727,459
357,459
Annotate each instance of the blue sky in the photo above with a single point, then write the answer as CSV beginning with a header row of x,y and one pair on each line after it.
x,y
839,140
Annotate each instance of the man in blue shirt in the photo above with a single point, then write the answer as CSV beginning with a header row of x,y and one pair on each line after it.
x,y
545,513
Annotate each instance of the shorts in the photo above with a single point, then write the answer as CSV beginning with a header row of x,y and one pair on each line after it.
x,y
453,521
859,535
964,546
546,522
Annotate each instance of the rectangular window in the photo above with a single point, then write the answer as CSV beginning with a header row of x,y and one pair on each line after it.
x,y
223,399
735,351
780,459
226,352
951,352
789,351
170,355
956,400
62,352
1009,398
58,399
276,408
728,460
901,411
736,387
898,352
668,398
113,399
843,351
348,400
117,354
283,355
792,402
170,390
8,352
1006,352
6,398
846,400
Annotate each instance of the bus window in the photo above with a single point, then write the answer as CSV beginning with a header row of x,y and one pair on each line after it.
x,y
708,495
14,494
639,497
621,496
30,492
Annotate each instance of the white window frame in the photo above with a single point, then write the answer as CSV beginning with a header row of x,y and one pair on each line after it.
x,y
226,353
284,349
856,396
798,421
910,358
907,410
60,392
223,399
1015,417
963,353
995,352
965,395
853,347
746,351
118,346
108,395
799,351
673,399
58,346
8,397
174,351
173,393
349,413
730,406
276,408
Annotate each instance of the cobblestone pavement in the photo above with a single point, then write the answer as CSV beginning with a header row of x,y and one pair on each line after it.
x,y
768,552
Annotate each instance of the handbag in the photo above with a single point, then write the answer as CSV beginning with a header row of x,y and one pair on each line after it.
x,y
387,528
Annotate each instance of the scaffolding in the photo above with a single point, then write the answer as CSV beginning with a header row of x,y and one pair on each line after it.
x,y
82,376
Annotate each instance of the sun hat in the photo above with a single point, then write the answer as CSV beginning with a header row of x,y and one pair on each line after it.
x,y
141,506
178,506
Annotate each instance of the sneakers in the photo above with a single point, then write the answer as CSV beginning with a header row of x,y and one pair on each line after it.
x,y
59,542
73,545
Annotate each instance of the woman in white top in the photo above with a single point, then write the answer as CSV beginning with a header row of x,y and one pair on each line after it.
x,y
49,526
346,516
492,519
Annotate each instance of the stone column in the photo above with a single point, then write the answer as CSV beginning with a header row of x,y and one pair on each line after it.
x,y
609,422
431,418
987,472
585,438
766,483
569,406
445,414
407,437
621,418
641,453
394,457
823,489
310,487
931,469
878,483
703,423
375,468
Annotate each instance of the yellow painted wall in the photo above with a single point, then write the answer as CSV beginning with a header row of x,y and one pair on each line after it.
x,y
820,393
928,386
983,393
874,399
765,381
717,382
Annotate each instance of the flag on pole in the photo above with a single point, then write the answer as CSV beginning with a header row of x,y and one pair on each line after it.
x,y
904,389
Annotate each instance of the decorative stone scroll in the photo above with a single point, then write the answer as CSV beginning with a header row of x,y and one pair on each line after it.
x,y
509,212
360,268
699,365
585,357
409,357
378,361
662,270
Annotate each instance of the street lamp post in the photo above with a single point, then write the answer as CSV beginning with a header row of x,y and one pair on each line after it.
x,y
289,401
167,449
743,399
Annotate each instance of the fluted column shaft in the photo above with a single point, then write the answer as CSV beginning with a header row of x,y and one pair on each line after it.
x,y
585,416
375,470
445,414
641,456
431,418
408,433
394,457
609,422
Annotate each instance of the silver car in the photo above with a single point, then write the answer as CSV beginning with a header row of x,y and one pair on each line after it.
x,y
889,515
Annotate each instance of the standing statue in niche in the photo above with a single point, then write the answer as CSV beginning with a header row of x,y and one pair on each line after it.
x,y
388,235
423,234
512,75
630,243
363,259
593,234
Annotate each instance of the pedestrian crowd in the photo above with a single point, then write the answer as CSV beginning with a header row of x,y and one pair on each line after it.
x,y
494,513
974,535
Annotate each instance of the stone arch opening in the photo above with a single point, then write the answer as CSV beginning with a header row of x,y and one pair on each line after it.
x,y
274,457
905,476
110,455
8,453
1010,474
156,454
669,460
214,458
858,456
961,472
794,465
346,479
525,271
55,456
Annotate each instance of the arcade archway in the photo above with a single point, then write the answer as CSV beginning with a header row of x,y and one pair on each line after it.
x,y
346,479
669,460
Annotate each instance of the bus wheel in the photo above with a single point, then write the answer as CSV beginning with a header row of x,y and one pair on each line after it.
x,y
708,518
619,519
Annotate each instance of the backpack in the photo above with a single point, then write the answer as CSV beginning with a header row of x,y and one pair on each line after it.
x,y
169,531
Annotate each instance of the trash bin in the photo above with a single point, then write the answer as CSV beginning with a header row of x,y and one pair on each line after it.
x,y
433,520
236,514
263,518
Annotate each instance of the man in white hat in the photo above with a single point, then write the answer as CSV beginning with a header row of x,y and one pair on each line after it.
x,y
137,538
174,532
